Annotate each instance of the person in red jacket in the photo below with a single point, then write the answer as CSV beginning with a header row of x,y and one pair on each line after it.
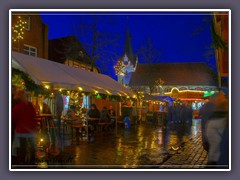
x,y
24,124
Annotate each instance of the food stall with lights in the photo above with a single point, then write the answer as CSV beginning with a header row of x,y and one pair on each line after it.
x,y
153,108
194,98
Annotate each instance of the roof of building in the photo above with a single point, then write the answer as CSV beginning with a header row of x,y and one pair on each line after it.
x,y
191,73
67,47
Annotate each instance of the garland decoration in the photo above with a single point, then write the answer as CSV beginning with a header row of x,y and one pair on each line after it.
x,y
23,80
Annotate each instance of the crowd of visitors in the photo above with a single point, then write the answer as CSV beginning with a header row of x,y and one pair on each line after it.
x,y
179,119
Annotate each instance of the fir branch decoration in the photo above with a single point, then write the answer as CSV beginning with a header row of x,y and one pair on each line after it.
x,y
218,42
23,80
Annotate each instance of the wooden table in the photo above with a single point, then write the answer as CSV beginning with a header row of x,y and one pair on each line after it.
x,y
44,117
68,121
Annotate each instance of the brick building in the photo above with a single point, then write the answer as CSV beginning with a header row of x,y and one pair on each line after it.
x,y
183,76
35,37
220,33
69,51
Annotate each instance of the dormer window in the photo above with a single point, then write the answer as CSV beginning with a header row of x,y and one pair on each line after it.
x,y
80,53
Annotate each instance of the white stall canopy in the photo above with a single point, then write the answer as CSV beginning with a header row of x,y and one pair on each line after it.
x,y
58,75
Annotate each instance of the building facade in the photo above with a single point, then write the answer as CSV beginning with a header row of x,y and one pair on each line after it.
x,y
171,79
162,78
29,34
220,34
69,51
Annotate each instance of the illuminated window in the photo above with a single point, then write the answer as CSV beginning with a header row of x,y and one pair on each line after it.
x,y
182,88
199,88
30,50
207,89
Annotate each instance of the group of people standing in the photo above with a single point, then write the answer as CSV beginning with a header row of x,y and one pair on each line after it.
x,y
179,119
215,131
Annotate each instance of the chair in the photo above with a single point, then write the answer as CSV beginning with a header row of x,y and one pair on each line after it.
x,y
104,124
77,127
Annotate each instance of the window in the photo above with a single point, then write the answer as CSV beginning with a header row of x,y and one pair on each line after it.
x,y
182,88
199,88
27,19
167,89
30,50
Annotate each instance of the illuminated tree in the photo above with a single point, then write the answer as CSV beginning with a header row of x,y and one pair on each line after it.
x,y
18,29
119,68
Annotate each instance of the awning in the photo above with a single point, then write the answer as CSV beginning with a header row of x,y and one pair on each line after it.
x,y
43,71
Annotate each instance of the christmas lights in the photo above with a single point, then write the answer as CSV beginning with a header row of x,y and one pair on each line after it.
x,y
18,30
119,68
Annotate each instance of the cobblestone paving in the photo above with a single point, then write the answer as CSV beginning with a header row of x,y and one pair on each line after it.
x,y
191,155
142,147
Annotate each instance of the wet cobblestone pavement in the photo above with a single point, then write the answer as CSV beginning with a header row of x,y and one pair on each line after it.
x,y
143,146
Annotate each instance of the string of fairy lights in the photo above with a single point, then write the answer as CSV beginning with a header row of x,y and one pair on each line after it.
x,y
119,68
23,81
18,29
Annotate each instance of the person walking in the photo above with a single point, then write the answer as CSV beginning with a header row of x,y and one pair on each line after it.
x,y
216,128
182,118
59,104
205,113
25,128
188,125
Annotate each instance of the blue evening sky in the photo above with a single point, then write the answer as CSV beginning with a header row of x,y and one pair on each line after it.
x,y
179,37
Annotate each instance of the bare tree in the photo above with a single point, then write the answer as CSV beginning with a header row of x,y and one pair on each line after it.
x,y
100,43
148,54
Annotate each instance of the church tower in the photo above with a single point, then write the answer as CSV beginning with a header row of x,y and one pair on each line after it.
x,y
127,63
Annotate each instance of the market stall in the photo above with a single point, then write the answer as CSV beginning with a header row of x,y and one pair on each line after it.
x,y
193,98
77,87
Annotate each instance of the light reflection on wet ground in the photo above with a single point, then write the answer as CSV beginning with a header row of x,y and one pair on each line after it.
x,y
141,145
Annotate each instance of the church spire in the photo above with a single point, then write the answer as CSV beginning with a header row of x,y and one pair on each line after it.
x,y
128,50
